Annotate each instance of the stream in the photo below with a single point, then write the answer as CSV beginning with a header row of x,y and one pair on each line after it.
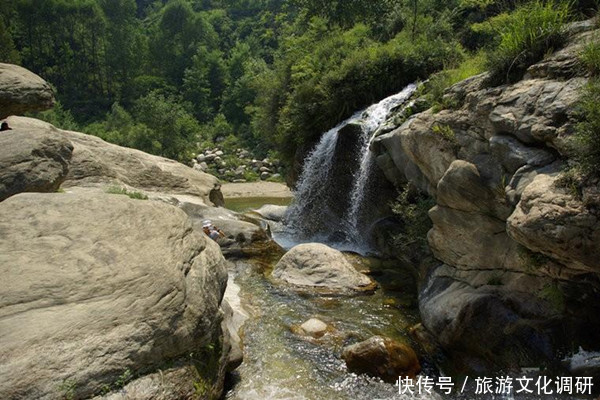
x,y
280,364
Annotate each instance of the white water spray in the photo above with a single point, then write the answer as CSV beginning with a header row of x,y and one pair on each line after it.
x,y
314,184
374,116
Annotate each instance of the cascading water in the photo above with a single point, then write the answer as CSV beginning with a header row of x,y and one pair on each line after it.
x,y
315,214
312,188
374,117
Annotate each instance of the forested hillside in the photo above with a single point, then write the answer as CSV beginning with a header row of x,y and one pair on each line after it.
x,y
162,76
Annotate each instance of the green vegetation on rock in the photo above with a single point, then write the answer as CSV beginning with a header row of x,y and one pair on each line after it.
x,y
411,208
131,194
526,36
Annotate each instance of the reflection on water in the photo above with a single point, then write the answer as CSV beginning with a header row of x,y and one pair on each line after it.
x,y
243,204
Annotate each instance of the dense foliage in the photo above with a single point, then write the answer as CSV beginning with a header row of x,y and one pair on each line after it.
x,y
586,154
168,77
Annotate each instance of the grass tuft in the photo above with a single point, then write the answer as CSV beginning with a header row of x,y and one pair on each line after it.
x,y
121,190
526,36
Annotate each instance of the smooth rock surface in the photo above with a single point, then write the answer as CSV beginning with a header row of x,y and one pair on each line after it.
x,y
314,327
317,266
96,163
272,212
21,90
97,285
33,160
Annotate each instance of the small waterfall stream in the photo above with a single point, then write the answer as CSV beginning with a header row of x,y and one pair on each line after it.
x,y
374,116
312,216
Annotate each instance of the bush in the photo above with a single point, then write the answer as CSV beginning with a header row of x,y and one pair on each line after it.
x,y
412,209
590,57
529,33
587,134
434,89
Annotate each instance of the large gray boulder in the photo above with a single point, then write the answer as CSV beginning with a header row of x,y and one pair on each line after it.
x,y
33,160
272,212
98,164
317,266
98,286
22,90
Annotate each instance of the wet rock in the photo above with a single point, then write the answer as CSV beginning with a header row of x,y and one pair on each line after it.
x,y
235,317
314,327
316,266
585,363
382,357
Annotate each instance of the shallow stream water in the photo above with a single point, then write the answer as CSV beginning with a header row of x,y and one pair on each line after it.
x,y
280,364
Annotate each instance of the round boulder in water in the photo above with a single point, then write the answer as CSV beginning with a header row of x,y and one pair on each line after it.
x,y
272,212
319,267
313,328
382,357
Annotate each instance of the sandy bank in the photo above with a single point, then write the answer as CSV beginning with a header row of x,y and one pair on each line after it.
x,y
255,189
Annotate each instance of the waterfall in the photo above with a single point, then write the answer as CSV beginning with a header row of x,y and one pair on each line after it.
x,y
314,215
373,117
311,188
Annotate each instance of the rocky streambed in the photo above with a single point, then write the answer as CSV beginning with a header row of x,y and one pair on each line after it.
x,y
295,336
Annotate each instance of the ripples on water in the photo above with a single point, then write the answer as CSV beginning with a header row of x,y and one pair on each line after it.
x,y
279,364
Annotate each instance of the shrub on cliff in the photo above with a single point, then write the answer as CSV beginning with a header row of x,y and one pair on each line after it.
x,y
412,209
587,136
525,36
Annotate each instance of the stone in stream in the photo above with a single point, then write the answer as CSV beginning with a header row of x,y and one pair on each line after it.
x,y
272,212
317,266
382,357
314,327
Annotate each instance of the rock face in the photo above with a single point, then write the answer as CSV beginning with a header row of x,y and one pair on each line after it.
x,y
382,357
118,285
22,91
316,266
99,288
98,164
32,161
518,273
